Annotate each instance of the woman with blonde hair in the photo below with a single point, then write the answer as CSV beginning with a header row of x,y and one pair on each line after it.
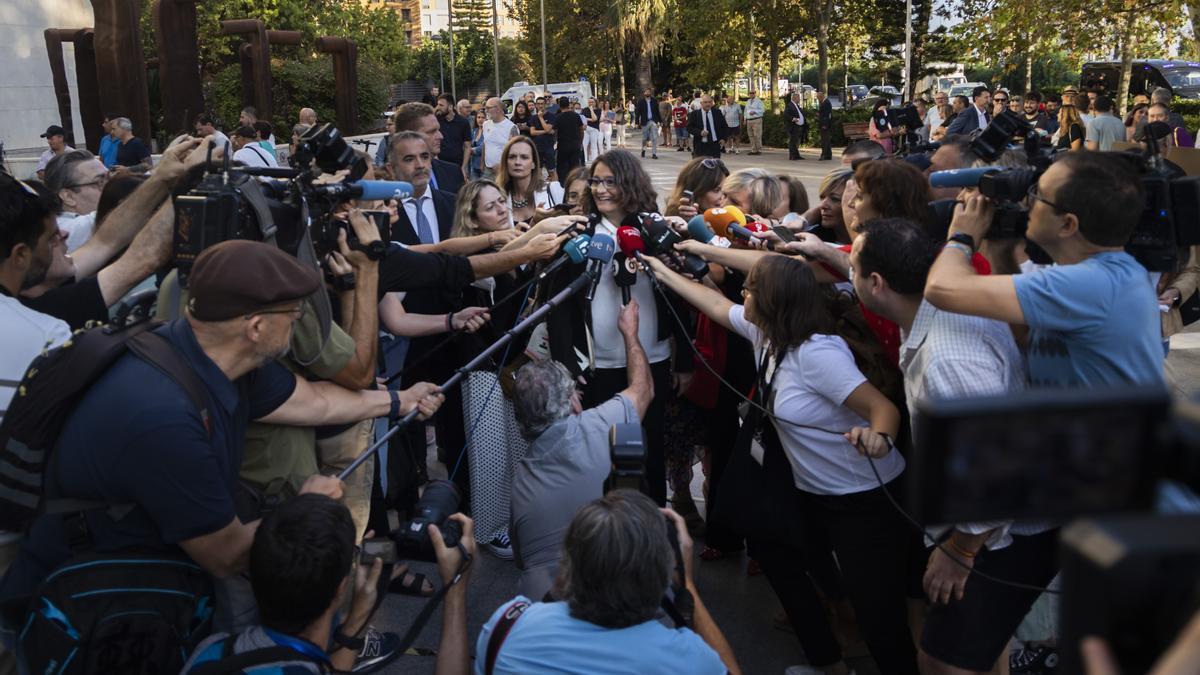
x,y
1070,134
519,174
754,191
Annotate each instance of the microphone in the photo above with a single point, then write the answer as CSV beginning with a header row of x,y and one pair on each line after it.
x,y
599,254
662,240
371,190
630,241
698,230
719,219
626,275
574,251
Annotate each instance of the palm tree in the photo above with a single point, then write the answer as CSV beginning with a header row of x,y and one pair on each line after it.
x,y
643,25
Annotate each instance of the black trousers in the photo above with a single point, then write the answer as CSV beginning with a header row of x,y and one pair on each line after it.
x,y
608,382
781,564
794,132
567,159
826,143
874,545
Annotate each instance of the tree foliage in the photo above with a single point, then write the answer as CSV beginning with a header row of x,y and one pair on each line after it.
x,y
472,58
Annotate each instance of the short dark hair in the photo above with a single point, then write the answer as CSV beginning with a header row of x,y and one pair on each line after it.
x,y
1104,193
246,132
407,115
616,561
202,118
898,250
1054,98
448,98
115,191
1103,103
23,213
263,128
633,183
963,100
301,553
979,90
1033,96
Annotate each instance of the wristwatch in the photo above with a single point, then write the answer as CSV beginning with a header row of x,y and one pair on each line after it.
x,y
965,239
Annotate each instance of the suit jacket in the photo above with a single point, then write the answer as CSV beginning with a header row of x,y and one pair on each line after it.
x,y
695,126
639,112
405,231
966,122
449,178
791,112
825,114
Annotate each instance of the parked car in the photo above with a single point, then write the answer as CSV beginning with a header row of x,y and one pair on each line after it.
x,y
964,89
1181,77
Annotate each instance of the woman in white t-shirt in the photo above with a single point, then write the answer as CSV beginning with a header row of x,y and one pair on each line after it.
x,y
520,175
829,419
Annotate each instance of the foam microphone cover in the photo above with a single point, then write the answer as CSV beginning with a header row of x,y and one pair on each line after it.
x,y
379,190
698,229
601,248
630,241
576,249
719,219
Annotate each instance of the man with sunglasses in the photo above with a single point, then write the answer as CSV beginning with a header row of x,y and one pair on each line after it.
x,y
1082,211
137,438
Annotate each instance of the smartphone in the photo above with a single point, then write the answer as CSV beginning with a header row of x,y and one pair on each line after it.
x,y
784,233
562,208
383,223
379,547
689,195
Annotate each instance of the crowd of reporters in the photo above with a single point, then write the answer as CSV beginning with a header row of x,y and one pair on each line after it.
x,y
864,308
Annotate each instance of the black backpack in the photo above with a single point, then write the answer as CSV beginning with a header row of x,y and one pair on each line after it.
x,y
123,612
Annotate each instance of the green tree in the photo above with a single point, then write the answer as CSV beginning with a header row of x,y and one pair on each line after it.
x,y
472,58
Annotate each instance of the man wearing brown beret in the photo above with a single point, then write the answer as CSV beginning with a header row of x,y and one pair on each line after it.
x,y
136,437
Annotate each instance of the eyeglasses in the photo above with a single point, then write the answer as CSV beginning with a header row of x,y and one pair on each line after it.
x,y
298,311
608,182
713,163
1033,196
1000,100
99,181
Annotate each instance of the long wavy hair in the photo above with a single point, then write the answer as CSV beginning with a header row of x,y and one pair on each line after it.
x,y
465,207
700,175
535,175
634,188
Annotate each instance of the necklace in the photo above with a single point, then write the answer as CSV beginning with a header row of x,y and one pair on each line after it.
x,y
520,203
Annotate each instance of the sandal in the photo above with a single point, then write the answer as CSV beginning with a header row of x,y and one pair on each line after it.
x,y
412,583
710,554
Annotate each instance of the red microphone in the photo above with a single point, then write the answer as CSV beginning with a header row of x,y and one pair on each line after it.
x,y
630,241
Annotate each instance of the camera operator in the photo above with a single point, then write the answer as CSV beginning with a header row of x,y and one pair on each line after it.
x,y
1093,317
569,453
245,296
617,563
948,356
302,564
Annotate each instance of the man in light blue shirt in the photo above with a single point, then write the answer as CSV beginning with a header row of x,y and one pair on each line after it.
x,y
1093,318
754,116
617,564
109,143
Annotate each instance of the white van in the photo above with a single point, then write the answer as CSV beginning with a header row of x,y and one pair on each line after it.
x,y
576,91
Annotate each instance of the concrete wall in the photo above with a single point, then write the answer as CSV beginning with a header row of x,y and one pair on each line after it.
x,y
27,103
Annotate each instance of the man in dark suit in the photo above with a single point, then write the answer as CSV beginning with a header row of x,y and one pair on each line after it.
x,y
793,117
707,127
977,116
825,124
648,118
422,118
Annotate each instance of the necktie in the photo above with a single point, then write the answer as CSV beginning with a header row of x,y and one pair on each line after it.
x,y
424,231
709,125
